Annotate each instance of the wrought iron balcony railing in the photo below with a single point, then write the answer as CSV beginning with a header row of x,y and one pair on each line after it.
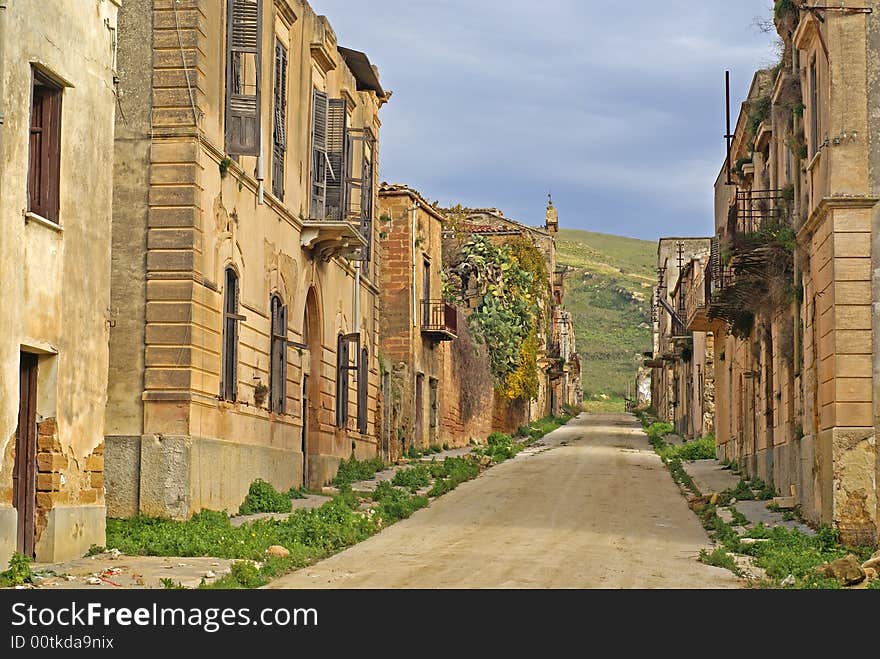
x,y
439,320
757,209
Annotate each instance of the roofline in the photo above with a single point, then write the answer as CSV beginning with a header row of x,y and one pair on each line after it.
x,y
415,195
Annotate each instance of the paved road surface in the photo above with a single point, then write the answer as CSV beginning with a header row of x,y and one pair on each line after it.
x,y
595,510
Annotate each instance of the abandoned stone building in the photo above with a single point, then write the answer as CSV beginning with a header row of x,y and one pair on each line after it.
x,y
415,325
791,289
436,383
244,285
57,103
682,363
559,362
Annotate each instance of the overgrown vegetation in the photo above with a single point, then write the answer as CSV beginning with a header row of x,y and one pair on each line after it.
x,y
511,285
413,479
354,470
262,497
451,473
18,573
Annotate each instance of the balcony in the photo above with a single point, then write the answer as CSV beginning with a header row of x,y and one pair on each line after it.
x,y
755,210
439,320
329,238
697,302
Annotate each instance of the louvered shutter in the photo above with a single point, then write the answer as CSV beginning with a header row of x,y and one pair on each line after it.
x,y
279,120
244,30
278,375
342,361
337,175
367,199
319,156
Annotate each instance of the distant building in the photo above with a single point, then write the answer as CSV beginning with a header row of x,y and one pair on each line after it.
x,y
682,387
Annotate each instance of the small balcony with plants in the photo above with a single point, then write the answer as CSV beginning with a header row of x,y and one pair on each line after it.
x,y
752,264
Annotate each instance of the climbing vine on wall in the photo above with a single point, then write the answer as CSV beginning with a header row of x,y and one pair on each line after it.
x,y
507,287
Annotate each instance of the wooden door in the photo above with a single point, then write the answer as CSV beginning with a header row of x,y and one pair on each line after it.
x,y
24,472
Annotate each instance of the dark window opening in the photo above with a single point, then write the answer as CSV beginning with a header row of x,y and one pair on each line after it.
x,y
45,149
231,318
433,386
363,382
278,369
814,109
342,368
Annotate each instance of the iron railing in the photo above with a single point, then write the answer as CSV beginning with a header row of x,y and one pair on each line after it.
x,y
757,209
439,316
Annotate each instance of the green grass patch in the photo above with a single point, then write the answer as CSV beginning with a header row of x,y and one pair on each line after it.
x,y
354,470
263,498
720,558
701,449
414,478
451,473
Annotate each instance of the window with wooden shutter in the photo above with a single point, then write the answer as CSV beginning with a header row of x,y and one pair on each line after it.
x,y
362,390
278,358
279,120
342,368
320,111
231,319
243,37
45,149
337,143
367,199
814,108
360,185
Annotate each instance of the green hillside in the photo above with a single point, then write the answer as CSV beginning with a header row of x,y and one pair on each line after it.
x,y
609,295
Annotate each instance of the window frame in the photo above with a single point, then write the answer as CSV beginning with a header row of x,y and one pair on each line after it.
x,y
229,335
363,389
279,119
278,355
44,168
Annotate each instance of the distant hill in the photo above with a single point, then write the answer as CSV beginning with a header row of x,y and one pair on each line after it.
x,y
609,295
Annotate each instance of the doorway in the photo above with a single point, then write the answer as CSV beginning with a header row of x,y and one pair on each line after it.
x,y
418,440
24,471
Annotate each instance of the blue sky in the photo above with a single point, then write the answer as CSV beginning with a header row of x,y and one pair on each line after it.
x,y
617,107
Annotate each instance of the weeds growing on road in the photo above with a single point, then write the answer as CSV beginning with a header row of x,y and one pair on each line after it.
x,y
720,558
413,479
354,470
263,498
451,473
18,573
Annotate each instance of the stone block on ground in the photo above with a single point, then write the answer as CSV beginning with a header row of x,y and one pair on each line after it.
x,y
785,503
846,570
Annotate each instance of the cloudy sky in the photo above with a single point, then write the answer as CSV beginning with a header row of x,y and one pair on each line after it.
x,y
617,107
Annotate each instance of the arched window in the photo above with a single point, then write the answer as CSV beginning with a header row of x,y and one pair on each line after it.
x,y
231,318
363,377
278,358
342,360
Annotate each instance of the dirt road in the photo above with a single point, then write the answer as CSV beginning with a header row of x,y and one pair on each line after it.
x,y
595,510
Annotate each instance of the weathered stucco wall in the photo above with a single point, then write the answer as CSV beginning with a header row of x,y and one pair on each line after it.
x,y
198,219
58,277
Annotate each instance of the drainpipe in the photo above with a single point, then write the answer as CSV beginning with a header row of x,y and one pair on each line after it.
x,y
412,238
357,297
259,174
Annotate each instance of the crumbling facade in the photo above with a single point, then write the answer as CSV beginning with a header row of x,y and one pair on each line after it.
x,y
791,287
57,103
415,325
244,287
